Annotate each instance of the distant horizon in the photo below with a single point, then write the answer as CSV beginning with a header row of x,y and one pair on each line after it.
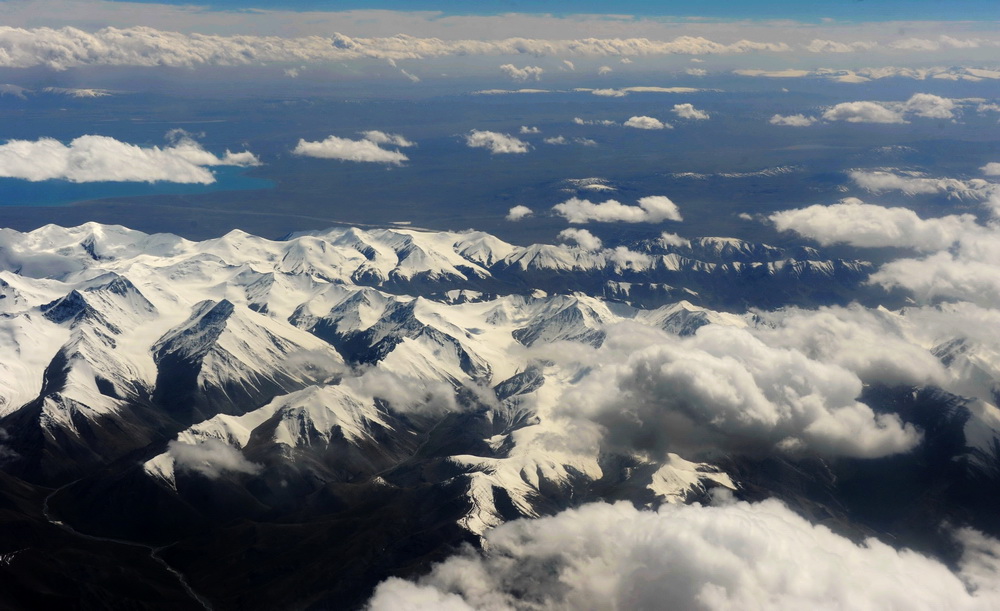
x,y
845,11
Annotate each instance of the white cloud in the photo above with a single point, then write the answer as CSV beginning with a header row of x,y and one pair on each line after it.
x,y
724,390
792,120
651,209
672,239
688,111
645,122
604,70
210,457
733,556
101,158
604,122
519,212
696,71
991,169
527,73
832,46
863,112
365,150
930,106
530,130
556,140
876,345
879,181
569,65
68,47
609,93
583,238
859,224
383,138
495,142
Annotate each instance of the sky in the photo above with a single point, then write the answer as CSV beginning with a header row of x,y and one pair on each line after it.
x,y
845,10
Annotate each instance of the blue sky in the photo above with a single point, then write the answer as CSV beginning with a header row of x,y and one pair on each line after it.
x,y
845,10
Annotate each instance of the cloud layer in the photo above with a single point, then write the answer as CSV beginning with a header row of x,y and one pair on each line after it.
x,y
603,556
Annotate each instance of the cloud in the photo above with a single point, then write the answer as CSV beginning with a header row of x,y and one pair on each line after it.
x,y
624,91
495,142
724,390
930,106
688,111
832,46
732,556
530,130
609,93
672,239
569,65
604,70
366,150
859,224
383,138
527,73
519,212
210,457
880,181
583,238
604,122
991,169
644,122
101,158
556,140
68,47
792,120
696,71
876,345
862,112
651,209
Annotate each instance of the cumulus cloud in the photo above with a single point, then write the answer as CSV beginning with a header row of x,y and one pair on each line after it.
x,y
930,106
365,150
696,71
991,169
519,212
644,122
495,142
527,73
383,138
863,112
792,120
556,140
879,181
672,239
101,158
210,457
688,111
530,130
725,390
876,345
604,556
964,264
854,222
651,209
583,238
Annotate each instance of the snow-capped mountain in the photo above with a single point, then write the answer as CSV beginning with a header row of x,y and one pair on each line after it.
x,y
407,391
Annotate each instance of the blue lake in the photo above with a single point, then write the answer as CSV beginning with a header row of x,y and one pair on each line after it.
x,y
17,192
